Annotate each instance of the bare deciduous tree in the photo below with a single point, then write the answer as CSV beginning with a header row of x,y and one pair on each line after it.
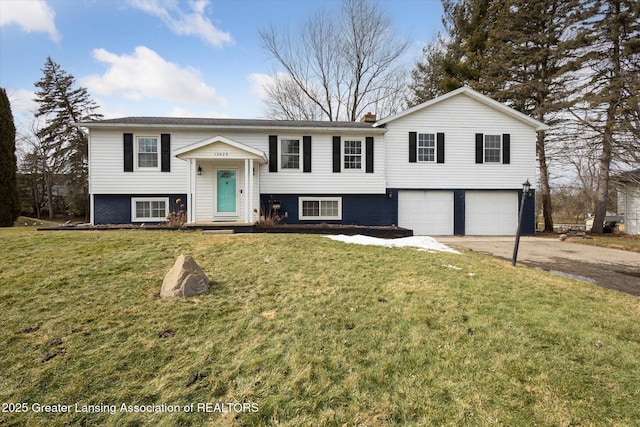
x,y
337,68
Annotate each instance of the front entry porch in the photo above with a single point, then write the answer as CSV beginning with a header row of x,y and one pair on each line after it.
x,y
223,181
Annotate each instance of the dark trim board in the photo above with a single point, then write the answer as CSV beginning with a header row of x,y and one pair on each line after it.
x,y
357,209
529,215
116,208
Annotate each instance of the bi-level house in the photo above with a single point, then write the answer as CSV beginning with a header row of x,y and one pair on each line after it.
x,y
452,165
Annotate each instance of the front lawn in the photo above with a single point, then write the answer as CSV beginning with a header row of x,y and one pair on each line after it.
x,y
301,330
625,242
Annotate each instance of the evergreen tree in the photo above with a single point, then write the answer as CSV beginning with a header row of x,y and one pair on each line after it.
x,y
520,52
611,95
65,146
531,57
428,76
467,22
9,194
457,58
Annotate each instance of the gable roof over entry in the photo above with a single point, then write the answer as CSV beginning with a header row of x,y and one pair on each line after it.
x,y
467,91
220,147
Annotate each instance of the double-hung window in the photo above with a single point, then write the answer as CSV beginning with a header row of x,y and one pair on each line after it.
x,y
147,152
492,149
426,147
290,153
320,208
149,209
353,154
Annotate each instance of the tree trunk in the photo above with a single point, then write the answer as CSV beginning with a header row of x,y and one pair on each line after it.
x,y
614,97
545,190
603,178
49,184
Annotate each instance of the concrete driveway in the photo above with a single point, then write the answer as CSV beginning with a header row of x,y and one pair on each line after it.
x,y
609,268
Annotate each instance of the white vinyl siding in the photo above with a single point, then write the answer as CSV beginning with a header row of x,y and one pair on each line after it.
x,y
322,179
629,206
460,118
320,208
149,209
106,175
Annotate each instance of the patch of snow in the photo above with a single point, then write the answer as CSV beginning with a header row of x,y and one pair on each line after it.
x,y
453,267
424,243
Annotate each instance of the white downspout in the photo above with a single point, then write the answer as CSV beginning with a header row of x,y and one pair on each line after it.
x,y
251,196
246,190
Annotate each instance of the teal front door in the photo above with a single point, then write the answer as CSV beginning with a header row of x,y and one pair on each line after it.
x,y
226,189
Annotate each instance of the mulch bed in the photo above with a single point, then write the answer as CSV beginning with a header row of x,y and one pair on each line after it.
x,y
387,232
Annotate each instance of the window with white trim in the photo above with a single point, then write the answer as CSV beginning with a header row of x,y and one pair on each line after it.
x,y
147,153
492,149
320,208
290,154
426,147
352,154
149,209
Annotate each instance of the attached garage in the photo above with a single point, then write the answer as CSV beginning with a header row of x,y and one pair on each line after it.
x,y
491,213
426,212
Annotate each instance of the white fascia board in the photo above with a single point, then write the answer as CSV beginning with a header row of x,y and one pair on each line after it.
x,y
368,131
200,144
537,125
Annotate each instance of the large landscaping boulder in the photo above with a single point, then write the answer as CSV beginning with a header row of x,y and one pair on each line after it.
x,y
185,279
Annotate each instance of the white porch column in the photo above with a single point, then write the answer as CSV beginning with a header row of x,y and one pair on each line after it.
x,y
251,195
246,190
92,212
191,191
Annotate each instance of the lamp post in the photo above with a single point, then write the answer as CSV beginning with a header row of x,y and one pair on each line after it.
x,y
526,186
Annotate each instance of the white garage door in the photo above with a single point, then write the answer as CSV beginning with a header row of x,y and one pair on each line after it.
x,y
491,213
427,213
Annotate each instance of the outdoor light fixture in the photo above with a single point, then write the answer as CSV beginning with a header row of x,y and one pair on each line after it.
x,y
526,187
199,170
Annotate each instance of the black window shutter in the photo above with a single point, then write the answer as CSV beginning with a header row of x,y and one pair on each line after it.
x,y
336,154
413,136
165,152
440,147
273,153
369,154
306,152
479,148
506,148
128,152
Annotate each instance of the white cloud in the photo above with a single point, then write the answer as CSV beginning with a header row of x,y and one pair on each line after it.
x,y
259,81
180,112
21,101
185,22
31,16
145,74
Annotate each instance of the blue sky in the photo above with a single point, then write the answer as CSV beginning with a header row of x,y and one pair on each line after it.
x,y
198,58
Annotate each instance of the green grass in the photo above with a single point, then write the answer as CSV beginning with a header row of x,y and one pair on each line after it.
x,y
25,221
312,331
626,242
